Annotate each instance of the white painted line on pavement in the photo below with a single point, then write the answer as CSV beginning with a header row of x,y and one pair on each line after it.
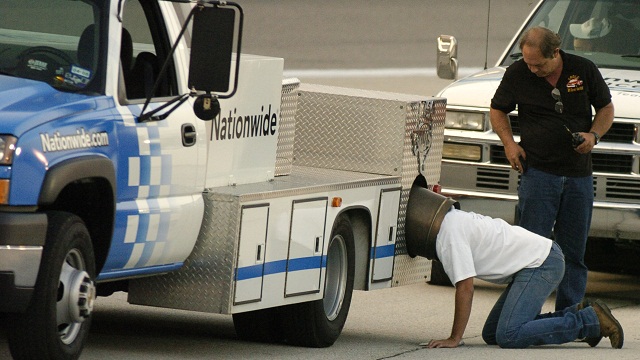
x,y
382,72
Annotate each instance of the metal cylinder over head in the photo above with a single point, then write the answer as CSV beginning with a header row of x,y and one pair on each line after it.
x,y
425,212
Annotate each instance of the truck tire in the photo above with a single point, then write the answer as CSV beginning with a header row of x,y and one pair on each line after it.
x,y
259,326
56,323
319,323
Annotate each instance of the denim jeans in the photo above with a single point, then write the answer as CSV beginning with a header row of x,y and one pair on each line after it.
x,y
559,205
515,320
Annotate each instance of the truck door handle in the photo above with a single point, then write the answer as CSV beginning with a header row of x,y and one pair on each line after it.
x,y
189,135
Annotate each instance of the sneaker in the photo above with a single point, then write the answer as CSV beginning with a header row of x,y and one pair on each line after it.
x,y
609,326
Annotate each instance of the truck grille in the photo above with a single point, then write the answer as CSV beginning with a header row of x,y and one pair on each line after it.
x,y
619,132
497,155
493,178
623,189
604,187
608,163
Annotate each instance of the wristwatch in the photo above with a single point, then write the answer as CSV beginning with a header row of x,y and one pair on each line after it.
x,y
595,135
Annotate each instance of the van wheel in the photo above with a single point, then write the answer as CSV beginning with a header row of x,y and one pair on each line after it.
x,y
319,323
57,321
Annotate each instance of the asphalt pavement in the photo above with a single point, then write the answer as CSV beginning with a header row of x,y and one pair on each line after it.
x,y
382,324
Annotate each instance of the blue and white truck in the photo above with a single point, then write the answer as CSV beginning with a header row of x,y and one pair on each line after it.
x,y
141,151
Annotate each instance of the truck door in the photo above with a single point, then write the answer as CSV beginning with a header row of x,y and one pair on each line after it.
x,y
159,205
306,244
383,253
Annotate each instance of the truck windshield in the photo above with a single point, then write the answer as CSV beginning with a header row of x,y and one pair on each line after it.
x,y
605,31
58,42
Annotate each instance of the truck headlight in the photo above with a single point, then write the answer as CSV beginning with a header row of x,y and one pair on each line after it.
x,y
465,152
7,149
463,120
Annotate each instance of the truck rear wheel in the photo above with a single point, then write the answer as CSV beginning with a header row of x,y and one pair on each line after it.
x,y
319,323
57,321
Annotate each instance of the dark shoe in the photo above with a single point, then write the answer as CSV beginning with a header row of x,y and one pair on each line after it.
x,y
609,326
592,341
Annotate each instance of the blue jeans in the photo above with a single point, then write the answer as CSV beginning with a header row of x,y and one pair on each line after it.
x,y
515,320
563,205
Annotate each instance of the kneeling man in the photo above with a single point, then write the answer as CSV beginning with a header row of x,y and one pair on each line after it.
x,y
471,245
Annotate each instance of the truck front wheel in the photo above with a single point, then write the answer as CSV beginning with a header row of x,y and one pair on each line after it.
x,y
57,321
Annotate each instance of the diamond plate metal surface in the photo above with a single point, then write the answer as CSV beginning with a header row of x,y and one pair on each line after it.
x,y
349,129
370,131
409,270
205,282
287,128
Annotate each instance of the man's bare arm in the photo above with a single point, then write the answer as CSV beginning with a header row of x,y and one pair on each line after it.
x,y
464,299
501,126
601,124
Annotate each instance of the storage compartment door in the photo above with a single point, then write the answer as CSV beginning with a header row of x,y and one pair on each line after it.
x,y
383,252
306,244
251,253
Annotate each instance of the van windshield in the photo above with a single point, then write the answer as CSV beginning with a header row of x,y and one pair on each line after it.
x,y
605,31
58,42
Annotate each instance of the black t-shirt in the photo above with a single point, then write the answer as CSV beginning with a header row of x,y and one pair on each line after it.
x,y
544,135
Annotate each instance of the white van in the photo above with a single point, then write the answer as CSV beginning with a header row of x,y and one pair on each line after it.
x,y
475,170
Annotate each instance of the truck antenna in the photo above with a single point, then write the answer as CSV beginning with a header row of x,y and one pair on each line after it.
x,y
486,49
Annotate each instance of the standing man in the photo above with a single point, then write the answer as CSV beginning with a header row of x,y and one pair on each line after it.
x,y
554,93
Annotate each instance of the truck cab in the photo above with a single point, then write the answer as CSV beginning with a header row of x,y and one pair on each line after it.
x,y
475,169
103,160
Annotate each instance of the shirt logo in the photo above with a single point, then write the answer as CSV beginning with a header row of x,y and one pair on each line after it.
x,y
574,84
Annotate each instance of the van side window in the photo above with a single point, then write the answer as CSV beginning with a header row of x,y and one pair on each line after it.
x,y
144,48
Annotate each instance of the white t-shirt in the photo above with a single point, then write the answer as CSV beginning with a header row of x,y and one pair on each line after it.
x,y
473,245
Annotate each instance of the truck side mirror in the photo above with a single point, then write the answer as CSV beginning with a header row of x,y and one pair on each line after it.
x,y
447,57
216,35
